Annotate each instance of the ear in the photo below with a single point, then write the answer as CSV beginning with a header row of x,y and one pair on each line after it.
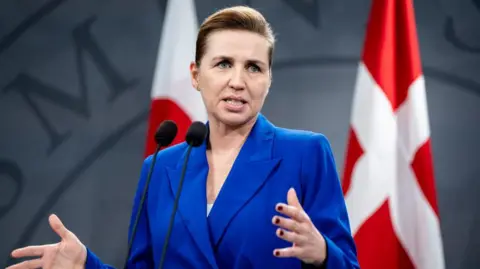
x,y
194,74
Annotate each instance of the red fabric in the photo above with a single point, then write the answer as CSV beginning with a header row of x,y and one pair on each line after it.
x,y
391,56
165,109
391,50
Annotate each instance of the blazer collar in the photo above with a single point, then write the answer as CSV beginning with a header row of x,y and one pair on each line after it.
x,y
256,147
250,171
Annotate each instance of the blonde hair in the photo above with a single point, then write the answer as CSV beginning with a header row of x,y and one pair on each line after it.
x,y
234,18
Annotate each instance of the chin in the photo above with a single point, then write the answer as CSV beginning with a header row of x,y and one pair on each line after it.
x,y
235,120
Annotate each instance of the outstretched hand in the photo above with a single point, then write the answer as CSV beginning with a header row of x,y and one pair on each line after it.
x,y
308,244
68,253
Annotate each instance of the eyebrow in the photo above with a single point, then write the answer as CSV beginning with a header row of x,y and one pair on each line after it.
x,y
251,61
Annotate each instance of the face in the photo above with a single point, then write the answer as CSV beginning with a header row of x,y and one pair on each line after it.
x,y
233,77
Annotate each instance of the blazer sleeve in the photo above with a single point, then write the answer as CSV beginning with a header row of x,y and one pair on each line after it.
x,y
323,201
141,253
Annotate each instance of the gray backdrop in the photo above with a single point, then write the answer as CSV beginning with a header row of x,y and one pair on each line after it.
x,y
75,80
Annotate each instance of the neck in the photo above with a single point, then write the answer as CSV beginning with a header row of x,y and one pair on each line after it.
x,y
224,138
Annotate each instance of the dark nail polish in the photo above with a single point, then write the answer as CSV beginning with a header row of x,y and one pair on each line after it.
x,y
277,220
277,253
280,208
281,233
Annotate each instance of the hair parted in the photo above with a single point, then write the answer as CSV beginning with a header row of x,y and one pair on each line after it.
x,y
234,18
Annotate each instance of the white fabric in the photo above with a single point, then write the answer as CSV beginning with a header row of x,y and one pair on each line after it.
x,y
209,208
176,50
384,171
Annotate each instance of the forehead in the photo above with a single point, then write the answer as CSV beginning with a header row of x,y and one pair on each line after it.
x,y
236,43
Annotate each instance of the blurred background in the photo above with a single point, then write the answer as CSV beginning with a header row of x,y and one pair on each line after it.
x,y
75,82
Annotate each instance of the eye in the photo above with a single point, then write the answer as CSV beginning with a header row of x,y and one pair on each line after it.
x,y
224,64
254,68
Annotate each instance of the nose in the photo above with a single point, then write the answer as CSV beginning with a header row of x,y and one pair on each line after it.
x,y
237,80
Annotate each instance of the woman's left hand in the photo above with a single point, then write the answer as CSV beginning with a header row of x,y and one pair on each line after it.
x,y
308,243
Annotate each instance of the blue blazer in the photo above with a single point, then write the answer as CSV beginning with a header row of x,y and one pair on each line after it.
x,y
238,233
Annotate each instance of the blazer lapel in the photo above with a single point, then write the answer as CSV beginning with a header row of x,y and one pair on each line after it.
x,y
192,206
250,171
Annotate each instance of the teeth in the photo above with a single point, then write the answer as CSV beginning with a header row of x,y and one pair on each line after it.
x,y
234,102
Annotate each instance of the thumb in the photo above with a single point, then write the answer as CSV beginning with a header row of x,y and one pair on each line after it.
x,y
292,198
58,226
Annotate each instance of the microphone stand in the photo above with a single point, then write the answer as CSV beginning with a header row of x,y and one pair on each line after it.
x,y
175,206
142,200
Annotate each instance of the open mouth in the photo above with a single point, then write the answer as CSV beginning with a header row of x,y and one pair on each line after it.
x,y
235,101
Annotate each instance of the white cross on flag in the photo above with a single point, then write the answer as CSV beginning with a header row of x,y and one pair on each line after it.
x,y
389,184
173,97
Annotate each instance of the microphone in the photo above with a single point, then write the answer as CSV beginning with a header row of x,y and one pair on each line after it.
x,y
164,136
196,134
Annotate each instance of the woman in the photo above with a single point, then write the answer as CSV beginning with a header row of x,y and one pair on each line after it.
x,y
255,195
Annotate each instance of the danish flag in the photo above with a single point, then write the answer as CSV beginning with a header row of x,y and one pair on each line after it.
x,y
388,183
172,94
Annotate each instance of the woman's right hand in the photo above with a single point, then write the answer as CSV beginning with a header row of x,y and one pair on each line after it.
x,y
69,253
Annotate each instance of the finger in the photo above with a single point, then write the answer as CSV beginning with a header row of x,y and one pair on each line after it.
x,y
287,252
295,213
30,264
291,237
58,226
289,224
28,251
292,199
